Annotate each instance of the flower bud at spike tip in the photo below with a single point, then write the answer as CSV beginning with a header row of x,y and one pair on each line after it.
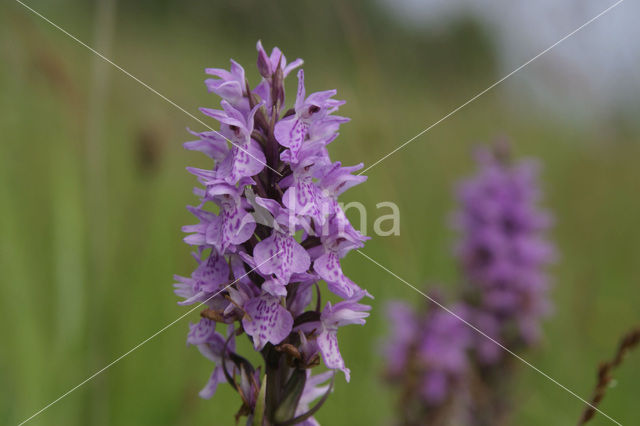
x,y
264,64
277,88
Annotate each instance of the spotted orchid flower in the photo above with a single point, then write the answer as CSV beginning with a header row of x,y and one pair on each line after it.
x,y
270,230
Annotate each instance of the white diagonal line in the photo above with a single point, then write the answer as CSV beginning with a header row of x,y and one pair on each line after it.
x,y
476,329
493,85
140,344
127,73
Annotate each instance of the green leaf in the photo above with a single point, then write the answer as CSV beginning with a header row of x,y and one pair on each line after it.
x,y
313,410
258,413
292,392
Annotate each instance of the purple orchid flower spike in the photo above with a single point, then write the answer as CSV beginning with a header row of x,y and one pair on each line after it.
x,y
503,252
269,230
449,373
503,255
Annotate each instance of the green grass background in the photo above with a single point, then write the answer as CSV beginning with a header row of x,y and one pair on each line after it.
x,y
89,242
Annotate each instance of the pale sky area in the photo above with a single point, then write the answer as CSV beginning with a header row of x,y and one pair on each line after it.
x,y
595,70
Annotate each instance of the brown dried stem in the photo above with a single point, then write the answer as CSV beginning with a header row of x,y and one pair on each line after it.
x,y
628,342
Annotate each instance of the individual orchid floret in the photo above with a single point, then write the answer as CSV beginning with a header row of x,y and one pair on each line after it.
x,y
332,317
212,144
337,239
229,85
328,267
268,242
304,196
234,225
291,132
338,179
209,277
245,158
234,124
